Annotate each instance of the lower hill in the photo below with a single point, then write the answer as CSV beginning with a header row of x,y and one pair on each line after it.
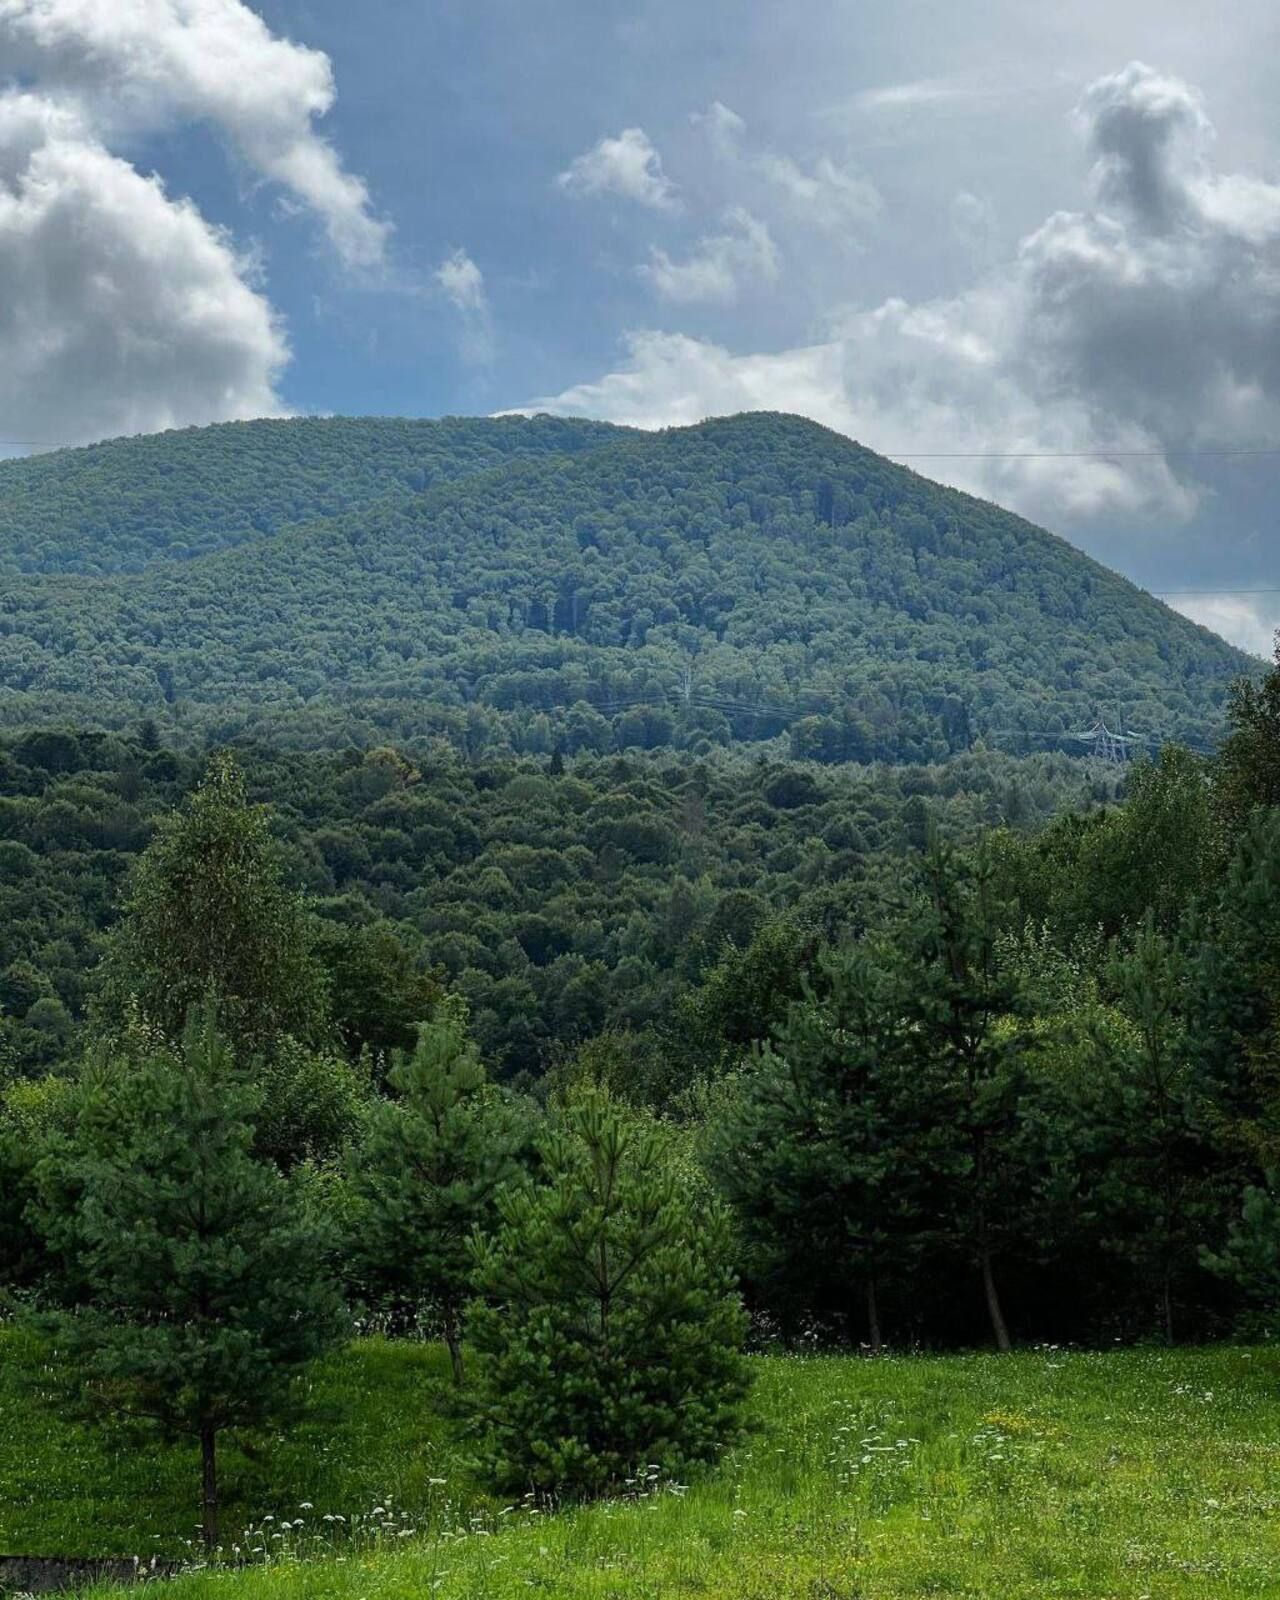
x,y
527,585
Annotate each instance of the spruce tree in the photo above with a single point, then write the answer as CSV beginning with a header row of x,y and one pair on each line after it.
x,y
609,1332
194,1280
430,1172
209,919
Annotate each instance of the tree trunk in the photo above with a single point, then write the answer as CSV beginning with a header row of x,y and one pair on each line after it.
x,y
998,1327
453,1338
873,1318
209,1461
1166,1304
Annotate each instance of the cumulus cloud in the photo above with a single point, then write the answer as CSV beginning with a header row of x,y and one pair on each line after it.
x,y
462,283
1077,376
142,63
627,165
720,265
121,309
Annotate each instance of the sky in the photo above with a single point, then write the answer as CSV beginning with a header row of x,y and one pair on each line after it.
x,y
1033,251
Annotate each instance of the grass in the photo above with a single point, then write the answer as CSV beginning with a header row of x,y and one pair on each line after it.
x,y
375,1429
1114,1476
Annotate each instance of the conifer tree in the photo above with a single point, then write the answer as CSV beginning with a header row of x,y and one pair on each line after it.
x,y
609,1332
825,1153
961,1010
1149,1185
194,1279
430,1173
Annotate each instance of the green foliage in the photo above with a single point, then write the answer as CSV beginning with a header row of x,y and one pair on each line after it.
x,y
827,1151
960,1008
1251,1256
207,919
196,1281
32,1112
430,1172
498,880
569,588
608,1337
1249,767
314,1103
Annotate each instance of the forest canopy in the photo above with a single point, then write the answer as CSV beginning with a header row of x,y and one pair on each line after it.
x,y
533,586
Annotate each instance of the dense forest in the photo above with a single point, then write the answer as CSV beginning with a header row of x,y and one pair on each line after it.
x,y
944,1072
530,586
562,898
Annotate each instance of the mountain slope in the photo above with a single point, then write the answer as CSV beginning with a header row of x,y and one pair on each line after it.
x,y
120,506
750,576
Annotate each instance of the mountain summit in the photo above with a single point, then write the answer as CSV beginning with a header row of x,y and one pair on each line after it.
x,y
542,584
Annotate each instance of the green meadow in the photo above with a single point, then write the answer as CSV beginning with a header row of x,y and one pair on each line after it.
x,y
1131,1475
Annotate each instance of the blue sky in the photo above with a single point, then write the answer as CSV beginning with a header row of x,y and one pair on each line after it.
x,y
1037,248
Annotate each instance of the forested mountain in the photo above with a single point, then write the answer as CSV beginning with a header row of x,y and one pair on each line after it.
x,y
529,585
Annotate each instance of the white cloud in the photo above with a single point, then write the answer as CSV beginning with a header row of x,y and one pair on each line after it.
x,y
826,195
463,285
121,310
672,380
1072,375
973,225
720,264
914,95
725,128
1252,624
830,196
462,281
628,166
131,63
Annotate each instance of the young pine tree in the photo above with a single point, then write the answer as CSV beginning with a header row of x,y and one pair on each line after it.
x,y
609,1334
208,919
430,1171
196,1283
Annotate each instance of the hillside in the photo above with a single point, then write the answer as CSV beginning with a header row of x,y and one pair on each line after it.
x,y
529,584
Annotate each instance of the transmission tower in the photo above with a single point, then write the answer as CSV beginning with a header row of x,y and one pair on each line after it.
x,y
1108,746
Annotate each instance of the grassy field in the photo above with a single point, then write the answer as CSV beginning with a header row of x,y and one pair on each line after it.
x,y
1118,1476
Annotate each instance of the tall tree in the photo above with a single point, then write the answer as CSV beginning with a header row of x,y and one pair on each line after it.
x,y
430,1173
196,1279
961,1009
1150,1187
209,919
825,1149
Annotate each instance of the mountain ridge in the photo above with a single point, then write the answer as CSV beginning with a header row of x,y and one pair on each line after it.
x,y
741,579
